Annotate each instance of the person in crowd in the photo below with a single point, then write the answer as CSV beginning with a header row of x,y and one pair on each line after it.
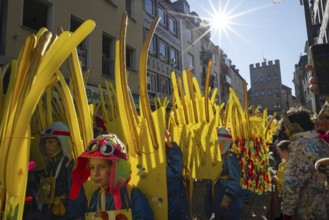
x,y
322,165
304,193
105,161
99,126
177,200
323,122
55,182
228,194
283,150
280,136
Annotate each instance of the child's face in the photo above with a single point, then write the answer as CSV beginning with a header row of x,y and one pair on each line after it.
x,y
100,170
283,153
52,145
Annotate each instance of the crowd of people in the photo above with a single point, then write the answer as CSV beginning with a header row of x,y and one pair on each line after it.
x,y
302,142
58,190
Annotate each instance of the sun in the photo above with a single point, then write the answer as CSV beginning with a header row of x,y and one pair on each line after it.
x,y
220,21
226,18
222,18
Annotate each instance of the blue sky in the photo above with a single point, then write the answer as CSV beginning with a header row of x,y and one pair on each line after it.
x,y
259,29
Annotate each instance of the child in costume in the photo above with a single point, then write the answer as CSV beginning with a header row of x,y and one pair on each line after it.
x,y
55,183
106,162
177,201
228,194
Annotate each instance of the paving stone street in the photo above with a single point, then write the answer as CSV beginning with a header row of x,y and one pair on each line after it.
x,y
254,209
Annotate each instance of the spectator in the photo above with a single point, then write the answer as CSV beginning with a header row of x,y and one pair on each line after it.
x,y
323,122
283,150
304,193
281,135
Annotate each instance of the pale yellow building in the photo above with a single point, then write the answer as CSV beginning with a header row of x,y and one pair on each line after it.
x,y
96,53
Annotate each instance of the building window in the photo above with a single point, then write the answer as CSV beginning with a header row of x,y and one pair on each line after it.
x,y
275,77
108,56
215,79
152,47
256,93
270,92
189,35
130,8
277,105
149,7
163,51
214,58
162,14
164,85
277,92
172,25
263,92
190,61
173,57
35,14
130,58
261,78
82,47
114,2
152,82
268,77
255,79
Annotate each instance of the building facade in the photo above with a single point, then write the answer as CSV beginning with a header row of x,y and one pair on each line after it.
x,y
181,40
320,21
230,78
197,48
266,88
304,97
165,49
97,51
317,26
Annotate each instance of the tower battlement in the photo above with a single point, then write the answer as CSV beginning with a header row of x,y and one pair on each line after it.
x,y
264,64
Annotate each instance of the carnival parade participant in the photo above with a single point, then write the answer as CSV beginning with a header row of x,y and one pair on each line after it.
x,y
177,201
304,192
228,194
106,162
56,182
